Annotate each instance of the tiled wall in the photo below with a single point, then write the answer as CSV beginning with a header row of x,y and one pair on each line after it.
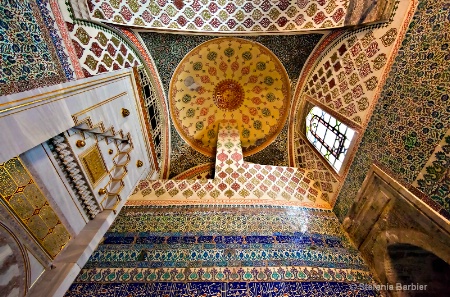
x,y
344,76
434,178
100,50
239,15
347,74
28,56
413,112
235,181
37,37
224,251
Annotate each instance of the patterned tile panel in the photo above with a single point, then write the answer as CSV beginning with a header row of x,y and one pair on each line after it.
x,y
28,57
306,158
224,15
434,178
99,49
21,194
59,24
57,39
224,251
232,289
413,112
346,77
235,181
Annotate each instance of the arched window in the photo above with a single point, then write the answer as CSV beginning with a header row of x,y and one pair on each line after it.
x,y
331,137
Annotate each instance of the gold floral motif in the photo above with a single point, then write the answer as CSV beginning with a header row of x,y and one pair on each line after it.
x,y
228,95
94,165
29,205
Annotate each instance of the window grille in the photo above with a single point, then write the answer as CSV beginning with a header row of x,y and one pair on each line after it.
x,y
154,112
329,136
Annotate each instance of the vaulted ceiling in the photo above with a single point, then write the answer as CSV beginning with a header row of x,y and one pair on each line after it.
x,y
251,62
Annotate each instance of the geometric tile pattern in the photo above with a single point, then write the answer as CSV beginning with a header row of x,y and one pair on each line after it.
x,y
223,251
222,15
434,179
57,24
100,50
306,158
28,58
235,182
224,79
413,112
346,77
21,194
343,77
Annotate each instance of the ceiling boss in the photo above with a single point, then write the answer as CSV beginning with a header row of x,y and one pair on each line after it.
x,y
229,79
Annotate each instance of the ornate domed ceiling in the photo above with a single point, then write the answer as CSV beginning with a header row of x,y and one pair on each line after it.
x,y
232,79
168,50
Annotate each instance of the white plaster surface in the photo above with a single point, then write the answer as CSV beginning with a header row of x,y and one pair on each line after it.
x,y
31,118
36,268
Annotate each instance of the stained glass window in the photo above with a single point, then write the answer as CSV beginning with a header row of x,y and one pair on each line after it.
x,y
331,137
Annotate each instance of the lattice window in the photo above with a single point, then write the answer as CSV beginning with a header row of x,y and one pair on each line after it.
x,y
331,137
154,111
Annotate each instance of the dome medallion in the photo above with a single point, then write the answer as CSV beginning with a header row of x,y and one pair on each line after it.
x,y
229,79
228,95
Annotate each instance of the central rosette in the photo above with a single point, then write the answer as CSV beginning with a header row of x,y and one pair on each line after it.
x,y
228,95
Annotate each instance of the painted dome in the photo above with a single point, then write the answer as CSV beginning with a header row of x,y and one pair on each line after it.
x,y
229,79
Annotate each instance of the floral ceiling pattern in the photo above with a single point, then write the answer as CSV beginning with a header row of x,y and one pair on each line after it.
x,y
222,15
168,50
225,79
